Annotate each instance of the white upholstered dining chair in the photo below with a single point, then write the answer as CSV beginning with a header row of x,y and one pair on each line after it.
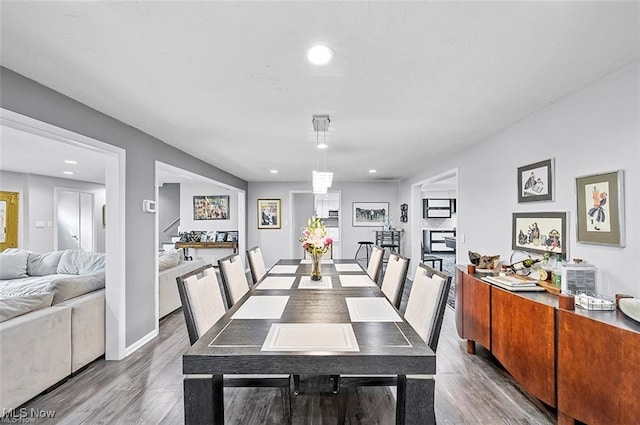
x,y
425,313
375,263
203,305
234,279
256,263
394,277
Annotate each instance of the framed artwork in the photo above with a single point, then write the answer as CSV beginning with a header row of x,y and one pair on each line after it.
x,y
211,207
370,214
232,236
540,232
221,236
600,218
8,220
269,213
535,182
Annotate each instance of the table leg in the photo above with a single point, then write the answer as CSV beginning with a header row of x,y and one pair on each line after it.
x,y
203,400
416,400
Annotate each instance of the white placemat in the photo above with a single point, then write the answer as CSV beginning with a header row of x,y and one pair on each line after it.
x,y
280,268
311,337
348,268
262,307
356,280
277,282
308,261
362,309
307,283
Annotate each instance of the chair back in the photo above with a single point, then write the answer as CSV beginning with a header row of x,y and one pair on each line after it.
x,y
256,263
234,279
375,263
202,302
427,302
394,277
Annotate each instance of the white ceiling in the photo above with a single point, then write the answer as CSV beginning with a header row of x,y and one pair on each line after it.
x,y
228,82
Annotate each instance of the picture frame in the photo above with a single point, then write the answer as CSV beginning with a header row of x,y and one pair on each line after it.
x,y
269,213
370,214
211,207
232,236
600,209
221,236
540,232
535,181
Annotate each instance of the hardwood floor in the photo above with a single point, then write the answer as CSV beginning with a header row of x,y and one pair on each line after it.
x,y
146,388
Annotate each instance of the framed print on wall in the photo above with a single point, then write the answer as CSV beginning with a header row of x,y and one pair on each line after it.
x,y
8,220
600,215
371,214
211,207
535,182
540,232
269,213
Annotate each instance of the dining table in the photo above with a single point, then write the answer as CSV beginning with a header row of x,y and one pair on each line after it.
x,y
289,324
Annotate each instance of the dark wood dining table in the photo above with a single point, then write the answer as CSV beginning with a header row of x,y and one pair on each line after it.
x,y
341,325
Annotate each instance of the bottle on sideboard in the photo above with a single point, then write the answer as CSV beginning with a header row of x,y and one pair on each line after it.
x,y
556,273
524,264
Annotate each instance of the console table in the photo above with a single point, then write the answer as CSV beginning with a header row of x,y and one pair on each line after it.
x,y
205,245
584,363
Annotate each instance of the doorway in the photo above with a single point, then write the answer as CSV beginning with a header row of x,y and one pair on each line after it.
x,y
73,220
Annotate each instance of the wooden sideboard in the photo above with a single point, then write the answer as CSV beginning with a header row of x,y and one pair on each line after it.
x,y
585,364
205,245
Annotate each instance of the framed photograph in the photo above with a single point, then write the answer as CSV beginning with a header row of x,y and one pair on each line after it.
x,y
232,236
221,236
370,214
211,207
269,213
8,220
535,182
540,232
600,218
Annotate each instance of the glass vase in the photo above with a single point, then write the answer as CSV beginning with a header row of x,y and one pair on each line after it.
x,y
316,274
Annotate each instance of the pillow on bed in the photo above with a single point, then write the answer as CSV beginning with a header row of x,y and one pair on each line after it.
x,y
13,265
11,307
169,259
43,264
74,261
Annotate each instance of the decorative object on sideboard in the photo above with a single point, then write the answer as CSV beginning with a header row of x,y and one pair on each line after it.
x,y
630,307
540,232
484,262
535,182
600,209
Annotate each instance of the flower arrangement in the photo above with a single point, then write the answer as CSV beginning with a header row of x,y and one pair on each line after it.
x,y
314,238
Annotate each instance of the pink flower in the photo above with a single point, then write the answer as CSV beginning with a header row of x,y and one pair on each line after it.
x,y
328,241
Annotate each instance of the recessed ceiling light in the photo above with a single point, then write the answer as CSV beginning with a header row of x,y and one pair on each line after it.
x,y
70,161
273,171
319,55
373,171
68,172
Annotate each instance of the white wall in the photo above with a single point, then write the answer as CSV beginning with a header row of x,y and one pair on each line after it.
x,y
275,244
594,130
37,204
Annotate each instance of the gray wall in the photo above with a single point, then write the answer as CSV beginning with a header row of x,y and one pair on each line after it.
x,y
168,210
27,97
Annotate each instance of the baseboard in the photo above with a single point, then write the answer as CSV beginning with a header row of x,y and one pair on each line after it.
x,y
139,343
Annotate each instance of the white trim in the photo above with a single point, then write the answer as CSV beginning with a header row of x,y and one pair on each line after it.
x,y
115,162
139,343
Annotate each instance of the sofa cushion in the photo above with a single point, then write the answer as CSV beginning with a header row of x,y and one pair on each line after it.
x,y
11,307
80,262
43,264
170,258
13,265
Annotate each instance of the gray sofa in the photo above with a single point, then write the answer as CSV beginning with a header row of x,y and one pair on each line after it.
x,y
52,310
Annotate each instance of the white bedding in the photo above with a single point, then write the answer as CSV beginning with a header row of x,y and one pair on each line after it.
x,y
62,286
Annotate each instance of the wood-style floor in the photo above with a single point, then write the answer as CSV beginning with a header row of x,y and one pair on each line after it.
x,y
146,388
